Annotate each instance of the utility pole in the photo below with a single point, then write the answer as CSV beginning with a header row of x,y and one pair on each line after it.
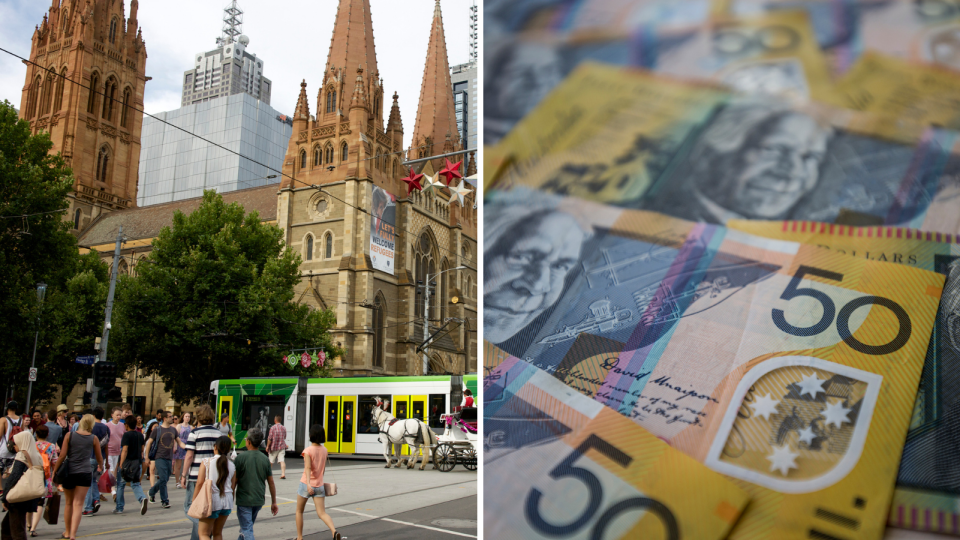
x,y
106,322
426,324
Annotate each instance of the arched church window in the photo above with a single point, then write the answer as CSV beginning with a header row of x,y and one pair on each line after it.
x,y
113,31
122,267
316,156
126,107
331,100
58,100
94,88
303,159
46,95
109,95
308,251
76,219
103,161
328,155
328,246
343,153
423,266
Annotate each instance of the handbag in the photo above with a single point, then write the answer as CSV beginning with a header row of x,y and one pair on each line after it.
x,y
52,511
329,488
201,507
105,482
130,470
60,477
31,485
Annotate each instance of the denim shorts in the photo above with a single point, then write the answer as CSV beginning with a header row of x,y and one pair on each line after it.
x,y
218,513
302,491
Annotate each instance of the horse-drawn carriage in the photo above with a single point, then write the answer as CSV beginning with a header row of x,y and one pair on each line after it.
x,y
458,444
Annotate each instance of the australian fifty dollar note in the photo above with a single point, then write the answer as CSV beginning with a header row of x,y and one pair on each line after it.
x,y
558,464
928,481
787,367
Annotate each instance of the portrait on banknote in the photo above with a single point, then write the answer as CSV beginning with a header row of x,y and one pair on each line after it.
x,y
529,250
762,159
518,75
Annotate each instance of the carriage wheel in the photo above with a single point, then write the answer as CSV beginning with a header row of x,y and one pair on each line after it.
x,y
445,457
469,458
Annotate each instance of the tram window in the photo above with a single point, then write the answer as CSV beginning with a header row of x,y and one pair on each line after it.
x,y
258,411
401,410
438,406
332,410
316,410
365,422
347,421
418,410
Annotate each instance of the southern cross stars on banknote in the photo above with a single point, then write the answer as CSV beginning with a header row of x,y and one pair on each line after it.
x,y
783,460
764,406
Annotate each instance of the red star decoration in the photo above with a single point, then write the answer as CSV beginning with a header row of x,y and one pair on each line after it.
x,y
413,182
451,171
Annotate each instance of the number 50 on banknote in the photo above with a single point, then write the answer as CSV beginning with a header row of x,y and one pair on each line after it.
x,y
787,367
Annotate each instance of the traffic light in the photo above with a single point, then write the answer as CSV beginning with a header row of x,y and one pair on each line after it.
x,y
106,374
109,394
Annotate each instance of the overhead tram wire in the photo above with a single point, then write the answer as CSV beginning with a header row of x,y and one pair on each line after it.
x,y
314,186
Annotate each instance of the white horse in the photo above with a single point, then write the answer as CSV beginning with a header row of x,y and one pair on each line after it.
x,y
395,432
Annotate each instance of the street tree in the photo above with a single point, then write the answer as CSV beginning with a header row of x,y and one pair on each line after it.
x,y
36,246
215,300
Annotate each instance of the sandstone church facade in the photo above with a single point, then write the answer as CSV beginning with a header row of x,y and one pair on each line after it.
x,y
342,155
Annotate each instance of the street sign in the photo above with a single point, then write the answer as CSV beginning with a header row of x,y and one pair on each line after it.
x,y
86,360
33,375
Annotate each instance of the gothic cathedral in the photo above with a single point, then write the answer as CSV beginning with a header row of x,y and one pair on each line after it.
x,y
371,247
91,110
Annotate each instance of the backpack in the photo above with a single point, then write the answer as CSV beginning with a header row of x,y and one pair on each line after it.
x,y
46,461
15,428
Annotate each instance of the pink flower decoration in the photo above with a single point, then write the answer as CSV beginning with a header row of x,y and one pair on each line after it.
x,y
305,360
321,356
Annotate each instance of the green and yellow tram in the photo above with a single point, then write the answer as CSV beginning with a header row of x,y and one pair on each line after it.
x,y
341,405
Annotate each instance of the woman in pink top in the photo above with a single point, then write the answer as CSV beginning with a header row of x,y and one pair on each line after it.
x,y
311,483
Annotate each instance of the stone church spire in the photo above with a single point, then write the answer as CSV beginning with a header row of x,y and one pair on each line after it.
x,y
351,46
395,123
436,120
303,107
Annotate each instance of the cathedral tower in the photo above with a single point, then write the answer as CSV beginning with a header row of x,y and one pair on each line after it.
x,y
368,243
435,131
95,124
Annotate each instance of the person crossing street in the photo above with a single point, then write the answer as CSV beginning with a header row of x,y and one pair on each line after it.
x,y
162,443
277,445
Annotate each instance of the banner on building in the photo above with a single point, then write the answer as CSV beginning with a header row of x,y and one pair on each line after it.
x,y
383,232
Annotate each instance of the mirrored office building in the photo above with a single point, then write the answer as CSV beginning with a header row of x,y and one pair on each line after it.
x,y
175,165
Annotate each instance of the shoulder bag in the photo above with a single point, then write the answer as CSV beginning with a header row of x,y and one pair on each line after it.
x,y
201,508
31,485
329,488
61,475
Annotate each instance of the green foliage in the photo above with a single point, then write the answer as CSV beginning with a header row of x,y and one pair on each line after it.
x,y
215,301
39,248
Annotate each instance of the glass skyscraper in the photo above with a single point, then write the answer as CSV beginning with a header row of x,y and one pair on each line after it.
x,y
175,165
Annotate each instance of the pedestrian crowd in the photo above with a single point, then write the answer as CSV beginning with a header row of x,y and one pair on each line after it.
x,y
79,458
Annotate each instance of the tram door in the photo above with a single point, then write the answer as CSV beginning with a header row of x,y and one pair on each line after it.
x,y
410,407
340,423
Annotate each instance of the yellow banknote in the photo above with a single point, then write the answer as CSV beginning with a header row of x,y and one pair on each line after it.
x,y
558,464
605,133
790,368
772,53
927,482
901,92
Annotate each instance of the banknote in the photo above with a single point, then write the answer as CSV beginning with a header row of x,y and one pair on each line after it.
x,y
766,159
604,134
786,366
558,464
899,90
586,17
505,17
928,484
774,53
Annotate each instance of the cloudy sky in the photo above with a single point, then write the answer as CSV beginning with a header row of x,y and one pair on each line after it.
x,y
292,37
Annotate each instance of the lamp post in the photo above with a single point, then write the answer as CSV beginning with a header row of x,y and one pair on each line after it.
x,y
426,314
41,293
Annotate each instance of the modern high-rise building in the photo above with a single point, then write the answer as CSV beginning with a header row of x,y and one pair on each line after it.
x,y
229,69
464,78
175,165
